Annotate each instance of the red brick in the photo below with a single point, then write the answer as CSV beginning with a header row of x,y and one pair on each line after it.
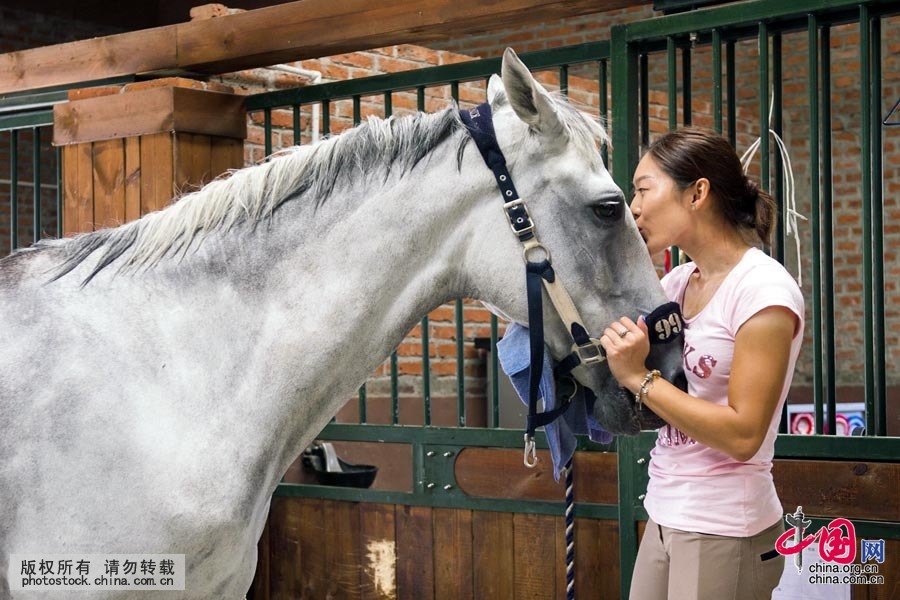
x,y
94,92
164,82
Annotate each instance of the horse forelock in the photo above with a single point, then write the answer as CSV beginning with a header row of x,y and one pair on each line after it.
x,y
376,147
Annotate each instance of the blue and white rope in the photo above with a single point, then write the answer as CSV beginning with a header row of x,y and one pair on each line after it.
x,y
570,532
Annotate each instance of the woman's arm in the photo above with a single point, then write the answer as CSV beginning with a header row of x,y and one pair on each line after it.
x,y
762,348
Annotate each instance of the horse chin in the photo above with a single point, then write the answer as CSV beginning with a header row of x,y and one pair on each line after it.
x,y
615,408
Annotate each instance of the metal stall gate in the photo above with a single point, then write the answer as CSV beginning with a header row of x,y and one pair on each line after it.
x,y
29,170
470,521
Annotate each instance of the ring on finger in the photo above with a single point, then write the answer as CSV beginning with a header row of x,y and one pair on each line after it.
x,y
623,332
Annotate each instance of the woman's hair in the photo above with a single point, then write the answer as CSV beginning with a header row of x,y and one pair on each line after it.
x,y
692,153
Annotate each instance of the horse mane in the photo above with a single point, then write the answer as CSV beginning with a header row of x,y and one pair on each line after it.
x,y
252,194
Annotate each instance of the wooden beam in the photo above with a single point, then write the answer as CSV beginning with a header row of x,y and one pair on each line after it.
x,y
155,110
286,32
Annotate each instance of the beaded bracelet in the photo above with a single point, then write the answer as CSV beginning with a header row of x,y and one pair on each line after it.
x,y
644,389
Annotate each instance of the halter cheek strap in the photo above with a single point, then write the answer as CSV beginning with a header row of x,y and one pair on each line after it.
x,y
665,321
539,274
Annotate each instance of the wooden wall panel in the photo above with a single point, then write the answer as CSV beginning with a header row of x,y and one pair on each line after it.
x,y
284,543
453,553
415,547
109,183
535,564
78,189
132,179
157,172
193,162
378,530
343,558
225,154
854,490
492,568
314,536
498,473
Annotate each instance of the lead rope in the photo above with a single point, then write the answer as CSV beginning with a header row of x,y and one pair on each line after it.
x,y
570,532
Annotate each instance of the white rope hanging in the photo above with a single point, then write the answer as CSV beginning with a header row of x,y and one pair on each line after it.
x,y
790,210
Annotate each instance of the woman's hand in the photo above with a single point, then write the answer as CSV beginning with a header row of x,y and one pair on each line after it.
x,y
627,346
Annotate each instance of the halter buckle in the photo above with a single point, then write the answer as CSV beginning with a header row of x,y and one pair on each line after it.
x,y
590,353
520,224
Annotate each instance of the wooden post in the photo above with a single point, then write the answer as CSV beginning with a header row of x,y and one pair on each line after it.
x,y
129,151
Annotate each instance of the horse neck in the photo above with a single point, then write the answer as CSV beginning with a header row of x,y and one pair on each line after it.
x,y
346,284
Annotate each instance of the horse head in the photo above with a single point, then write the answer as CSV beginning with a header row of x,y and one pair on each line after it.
x,y
582,221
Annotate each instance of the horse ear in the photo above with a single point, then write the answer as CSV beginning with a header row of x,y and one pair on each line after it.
x,y
495,92
531,102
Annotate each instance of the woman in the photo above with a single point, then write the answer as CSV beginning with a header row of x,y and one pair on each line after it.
x,y
714,513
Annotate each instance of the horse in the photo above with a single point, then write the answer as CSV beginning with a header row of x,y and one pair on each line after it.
x,y
158,378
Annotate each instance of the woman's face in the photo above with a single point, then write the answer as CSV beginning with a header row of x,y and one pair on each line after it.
x,y
662,211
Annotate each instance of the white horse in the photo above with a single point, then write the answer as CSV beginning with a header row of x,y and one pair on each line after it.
x,y
157,379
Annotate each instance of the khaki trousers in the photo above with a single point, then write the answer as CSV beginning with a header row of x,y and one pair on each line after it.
x,y
681,565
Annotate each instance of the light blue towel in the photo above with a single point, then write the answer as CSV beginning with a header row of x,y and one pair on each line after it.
x,y
514,354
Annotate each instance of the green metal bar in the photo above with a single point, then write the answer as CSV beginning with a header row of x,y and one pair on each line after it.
x,y
865,449
59,193
878,308
36,169
564,80
363,417
763,41
625,137
730,91
356,111
628,497
426,364
267,128
460,365
395,390
866,166
388,104
671,74
743,12
495,375
828,238
604,106
778,191
671,77
645,100
432,76
25,120
426,371
454,91
686,86
439,499
717,79
624,115
296,121
13,190
815,224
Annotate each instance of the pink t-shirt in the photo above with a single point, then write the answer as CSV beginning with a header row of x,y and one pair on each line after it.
x,y
692,486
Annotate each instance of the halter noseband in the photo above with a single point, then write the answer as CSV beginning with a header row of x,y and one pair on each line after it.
x,y
665,321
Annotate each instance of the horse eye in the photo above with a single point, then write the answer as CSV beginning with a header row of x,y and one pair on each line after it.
x,y
607,211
